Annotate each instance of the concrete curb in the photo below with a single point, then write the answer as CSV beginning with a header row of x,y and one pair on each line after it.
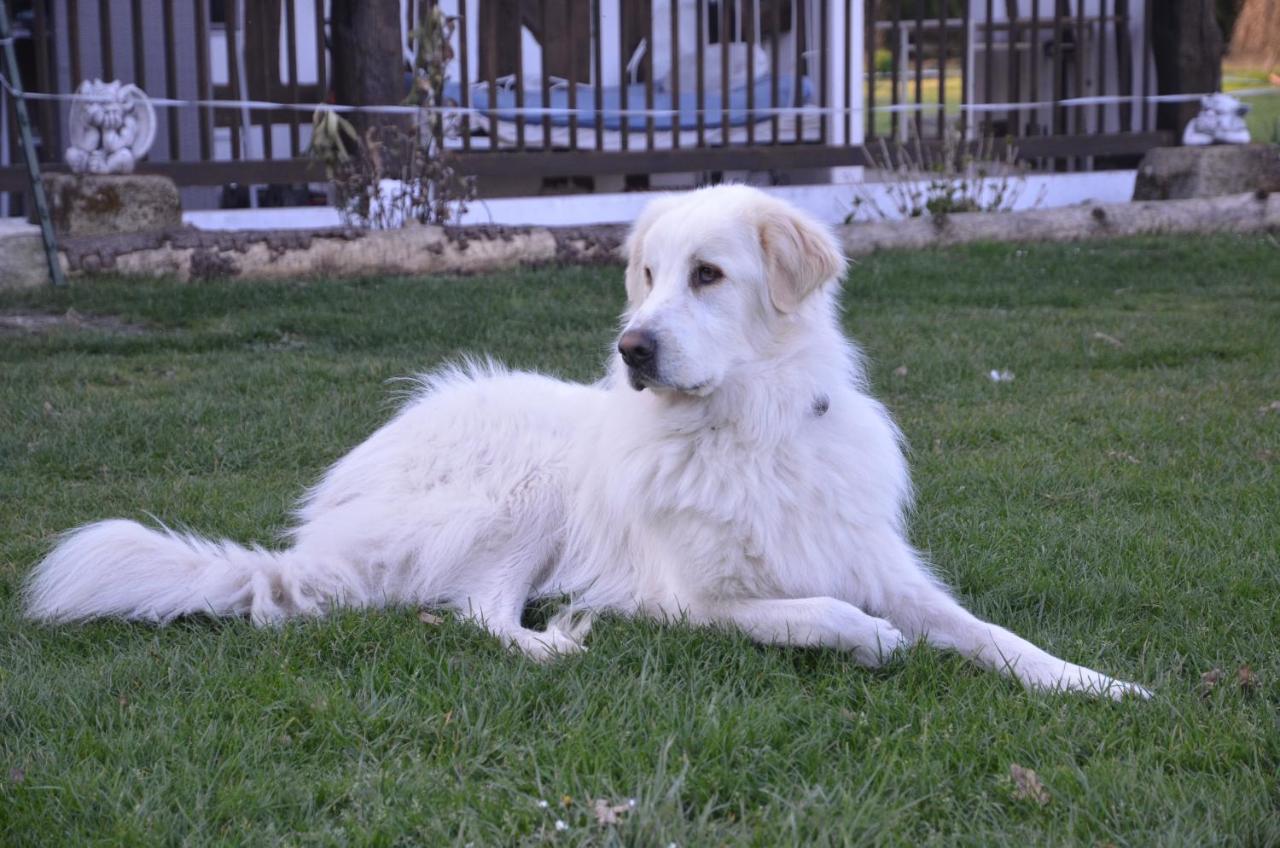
x,y
1239,213
192,255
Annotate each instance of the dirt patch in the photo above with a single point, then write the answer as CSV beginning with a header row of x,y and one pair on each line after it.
x,y
211,265
461,237
18,323
595,245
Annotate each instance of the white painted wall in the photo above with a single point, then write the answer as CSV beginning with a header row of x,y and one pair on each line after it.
x,y
308,65
830,203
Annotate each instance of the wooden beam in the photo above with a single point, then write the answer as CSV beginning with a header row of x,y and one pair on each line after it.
x,y
512,163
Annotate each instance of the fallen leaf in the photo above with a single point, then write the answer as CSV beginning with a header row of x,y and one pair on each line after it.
x,y
566,800
48,409
1246,678
429,618
1111,340
17,775
607,813
1274,406
1210,679
1126,457
1027,785
1265,455
900,371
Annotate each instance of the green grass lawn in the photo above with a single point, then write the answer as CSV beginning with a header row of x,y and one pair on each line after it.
x,y
1263,118
931,92
1117,503
1264,115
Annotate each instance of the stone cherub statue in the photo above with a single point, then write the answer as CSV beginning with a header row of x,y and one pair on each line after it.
x,y
1221,121
110,130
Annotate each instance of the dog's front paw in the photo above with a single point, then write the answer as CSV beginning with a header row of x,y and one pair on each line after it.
x,y
886,641
1120,689
1077,678
545,645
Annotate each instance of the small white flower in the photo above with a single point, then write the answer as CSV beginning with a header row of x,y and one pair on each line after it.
x,y
1000,376
561,824
543,804
631,802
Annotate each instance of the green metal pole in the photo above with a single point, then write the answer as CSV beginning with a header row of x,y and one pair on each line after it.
x,y
29,150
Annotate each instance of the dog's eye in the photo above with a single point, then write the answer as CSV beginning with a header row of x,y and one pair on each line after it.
x,y
648,277
706,275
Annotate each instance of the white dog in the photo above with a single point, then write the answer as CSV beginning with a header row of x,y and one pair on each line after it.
x,y
731,470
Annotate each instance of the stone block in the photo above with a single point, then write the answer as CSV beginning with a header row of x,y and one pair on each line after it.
x,y
1180,173
102,204
22,261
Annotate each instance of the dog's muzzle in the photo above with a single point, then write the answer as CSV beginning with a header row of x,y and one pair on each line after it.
x,y
639,349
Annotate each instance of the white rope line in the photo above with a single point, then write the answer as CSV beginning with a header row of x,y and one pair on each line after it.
x,y
537,111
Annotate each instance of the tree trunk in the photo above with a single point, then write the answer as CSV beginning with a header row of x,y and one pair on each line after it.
x,y
1256,37
1187,46
368,57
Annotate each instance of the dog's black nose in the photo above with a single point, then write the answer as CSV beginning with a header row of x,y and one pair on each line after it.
x,y
638,348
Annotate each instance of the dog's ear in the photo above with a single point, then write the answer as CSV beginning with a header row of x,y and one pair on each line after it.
x,y
800,255
637,287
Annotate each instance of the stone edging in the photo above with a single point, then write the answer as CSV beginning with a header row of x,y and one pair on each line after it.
x,y
188,254
1237,213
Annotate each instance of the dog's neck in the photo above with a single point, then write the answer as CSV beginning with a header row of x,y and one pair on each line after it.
x,y
764,402
781,393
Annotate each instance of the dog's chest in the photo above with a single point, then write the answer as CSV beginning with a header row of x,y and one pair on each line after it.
x,y
706,511
733,518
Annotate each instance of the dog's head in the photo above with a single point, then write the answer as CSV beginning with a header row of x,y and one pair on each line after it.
x,y
716,278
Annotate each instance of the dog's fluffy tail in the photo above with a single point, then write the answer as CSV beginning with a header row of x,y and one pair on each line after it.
x,y
121,569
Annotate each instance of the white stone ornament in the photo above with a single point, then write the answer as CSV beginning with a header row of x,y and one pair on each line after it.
x,y
1221,121
111,129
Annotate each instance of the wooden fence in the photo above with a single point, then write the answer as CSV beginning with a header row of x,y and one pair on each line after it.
x,y
560,88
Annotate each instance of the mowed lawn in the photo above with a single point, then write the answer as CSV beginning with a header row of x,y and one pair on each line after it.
x,y
1117,502
1264,109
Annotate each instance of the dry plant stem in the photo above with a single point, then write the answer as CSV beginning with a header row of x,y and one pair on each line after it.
x,y
394,176
939,182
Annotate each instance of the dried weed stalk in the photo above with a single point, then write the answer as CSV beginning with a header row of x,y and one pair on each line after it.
x,y
940,181
396,175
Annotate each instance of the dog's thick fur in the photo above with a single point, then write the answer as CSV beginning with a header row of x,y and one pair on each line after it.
x,y
735,473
